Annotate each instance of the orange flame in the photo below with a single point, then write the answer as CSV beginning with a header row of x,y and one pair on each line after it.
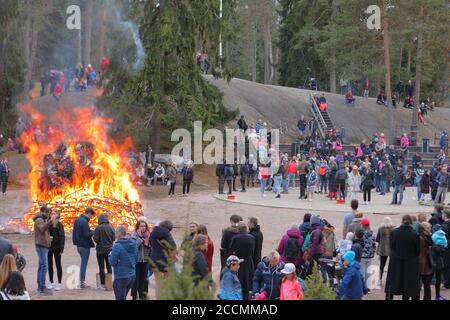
x,y
102,180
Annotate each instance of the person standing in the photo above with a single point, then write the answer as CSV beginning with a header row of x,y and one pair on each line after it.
x,y
290,247
367,183
188,177
404,273
82,239
301,125
200,265
141,235
263,178
302,173
220,174
227,236
292,172
244,171
268,277
426,270
443,141
209,252
255,231
352,286
4,175
290,287
230,286
348,218
172,177
123,259
443,182
229,175
58,238
104,237
383,249
368,250
42,222
243,246
399,185
354,183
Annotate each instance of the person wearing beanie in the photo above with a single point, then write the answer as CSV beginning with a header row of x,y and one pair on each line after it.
x,y
346,245
230,286
368,249
352,286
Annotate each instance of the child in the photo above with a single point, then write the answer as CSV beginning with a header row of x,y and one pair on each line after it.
x,y
438,237
438,253
346,245
230,286
290,287
352,286
311,187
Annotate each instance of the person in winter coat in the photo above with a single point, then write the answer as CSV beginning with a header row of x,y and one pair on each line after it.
x,y
332,182
383,249
227,236
82,239
356,223
311,180
443,141
243,246
56,231
200,265
443,182
6,247
426,270
424,187
358,244
209,251
141,235
229,176
352,285
291,288
255,231
305,227
437,215
292,172
42,222
403,272
172,177
315,247
329,242
367,183
341,177
301,125
348,218
230,286
369,248
220,174
354,183
268,277
104,237
399,185
4,174
123,259
188,177
244,171
290,247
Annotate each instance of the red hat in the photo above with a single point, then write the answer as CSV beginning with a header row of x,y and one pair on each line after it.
x,y
15,249
365,222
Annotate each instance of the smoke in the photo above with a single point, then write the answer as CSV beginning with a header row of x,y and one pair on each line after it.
x,y
131,27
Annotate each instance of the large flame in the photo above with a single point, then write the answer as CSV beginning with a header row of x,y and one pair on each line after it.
x,y
102,180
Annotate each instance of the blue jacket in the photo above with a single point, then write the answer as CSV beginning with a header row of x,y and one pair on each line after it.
x,y
230,286
123,258
444,140
352,285
268,279
82,234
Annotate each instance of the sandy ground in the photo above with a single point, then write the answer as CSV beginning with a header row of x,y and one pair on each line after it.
x,y
200,206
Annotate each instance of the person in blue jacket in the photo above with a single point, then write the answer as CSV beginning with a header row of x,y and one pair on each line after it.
x,y
123,259
230,286
82,239
352,286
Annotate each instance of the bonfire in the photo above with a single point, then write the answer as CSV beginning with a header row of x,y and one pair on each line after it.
x,y
75,164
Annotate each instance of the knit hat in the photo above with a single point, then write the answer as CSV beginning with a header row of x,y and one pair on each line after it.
x,y
315,220
365,222
288,268
349,255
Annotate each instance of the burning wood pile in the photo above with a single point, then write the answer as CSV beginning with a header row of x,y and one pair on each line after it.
x,y
79,166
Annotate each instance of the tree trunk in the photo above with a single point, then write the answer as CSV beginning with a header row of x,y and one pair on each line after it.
x,y
267,46
409,62
102,36
26,38
414,120
400,58
333,54
387,66
88,33
30,62
79,47
255,50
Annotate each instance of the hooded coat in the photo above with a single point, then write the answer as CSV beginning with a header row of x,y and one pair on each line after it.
x,y
243,246
283,244
227,236
104,235
268,279
123,258
352,285
230,286
403,272
316,241
82,234
163,245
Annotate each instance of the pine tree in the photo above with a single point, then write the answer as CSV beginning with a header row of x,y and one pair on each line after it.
x,y
317,289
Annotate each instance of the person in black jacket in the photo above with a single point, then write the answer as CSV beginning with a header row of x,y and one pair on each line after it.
x,y
243,246
367,183
82,239
200,265
399,184
220,174
244,170
358,244
242,124
255,231
58,237
227,235
403,277
188,177
229,176
446,229
163,251
104,237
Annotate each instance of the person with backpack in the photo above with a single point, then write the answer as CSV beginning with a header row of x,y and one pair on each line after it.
x,y
438,252
188,177
290,247
368,250
323,171
352,286
313,249
305,227
104,237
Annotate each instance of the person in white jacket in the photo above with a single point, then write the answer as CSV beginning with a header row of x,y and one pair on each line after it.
x,y
354,183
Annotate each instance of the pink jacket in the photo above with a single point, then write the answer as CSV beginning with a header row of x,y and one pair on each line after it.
x,y
359,152
291,290
404,142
